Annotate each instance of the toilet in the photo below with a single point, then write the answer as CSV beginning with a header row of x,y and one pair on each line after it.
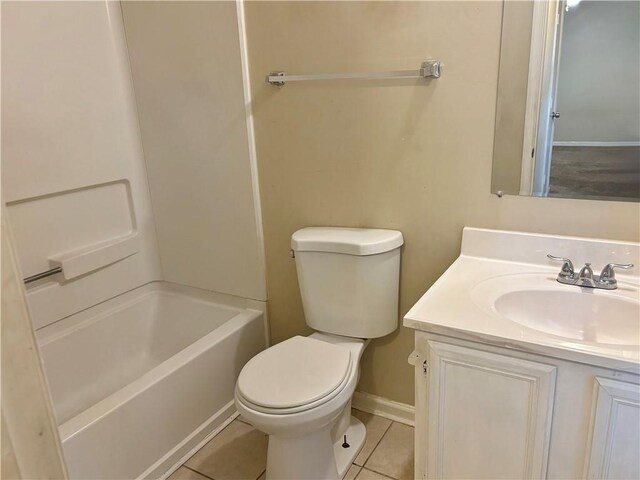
x,y
299,391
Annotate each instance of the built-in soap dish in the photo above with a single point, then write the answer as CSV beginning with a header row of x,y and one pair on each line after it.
x,y
92,257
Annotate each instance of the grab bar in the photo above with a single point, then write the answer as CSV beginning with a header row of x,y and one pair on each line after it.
x,y
428,69
40,275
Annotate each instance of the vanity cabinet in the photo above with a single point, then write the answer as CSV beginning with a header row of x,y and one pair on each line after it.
x,y
614,443
484,411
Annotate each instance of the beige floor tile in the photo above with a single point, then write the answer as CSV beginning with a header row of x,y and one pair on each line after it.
x,y
238,452
376,427
369,475
394,454
352,472
183,473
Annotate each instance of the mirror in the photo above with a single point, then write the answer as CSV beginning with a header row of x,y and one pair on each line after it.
x,y
568,104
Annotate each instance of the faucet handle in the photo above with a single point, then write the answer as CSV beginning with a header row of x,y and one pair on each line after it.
x,y
608,276
567,270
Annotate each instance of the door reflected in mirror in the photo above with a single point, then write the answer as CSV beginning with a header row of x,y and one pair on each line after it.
x,y
568,112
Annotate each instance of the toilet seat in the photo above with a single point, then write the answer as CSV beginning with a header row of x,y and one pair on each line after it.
x,y
295,375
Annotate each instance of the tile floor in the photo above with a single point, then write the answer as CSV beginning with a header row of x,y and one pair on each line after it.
x,y
239,452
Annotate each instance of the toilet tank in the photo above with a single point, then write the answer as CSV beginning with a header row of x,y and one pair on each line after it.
x,y
349,279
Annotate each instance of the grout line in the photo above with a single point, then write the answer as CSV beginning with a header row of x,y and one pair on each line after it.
x,y
358,467
378,443
199,473
374,471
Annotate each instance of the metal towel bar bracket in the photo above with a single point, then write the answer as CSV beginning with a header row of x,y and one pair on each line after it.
x,y
40,275
428,69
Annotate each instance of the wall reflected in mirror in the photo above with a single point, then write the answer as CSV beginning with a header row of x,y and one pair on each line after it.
x,y
568,105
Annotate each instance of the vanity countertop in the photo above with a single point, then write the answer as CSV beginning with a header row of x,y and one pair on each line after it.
x,y
460,303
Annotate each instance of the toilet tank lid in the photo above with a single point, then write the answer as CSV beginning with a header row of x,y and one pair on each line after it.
x,y
350,241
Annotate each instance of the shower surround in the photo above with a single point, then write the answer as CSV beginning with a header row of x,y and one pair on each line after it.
x,y
141,187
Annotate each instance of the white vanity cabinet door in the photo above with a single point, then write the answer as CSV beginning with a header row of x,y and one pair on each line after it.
x,y
614,437
486,415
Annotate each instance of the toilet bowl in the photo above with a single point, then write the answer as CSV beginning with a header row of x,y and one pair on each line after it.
x,y
299,391
306,421
300,375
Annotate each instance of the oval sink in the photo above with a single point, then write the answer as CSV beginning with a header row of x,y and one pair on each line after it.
x,y
575,315
538,302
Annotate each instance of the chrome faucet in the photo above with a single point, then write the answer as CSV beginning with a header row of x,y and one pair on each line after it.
x,y
585,278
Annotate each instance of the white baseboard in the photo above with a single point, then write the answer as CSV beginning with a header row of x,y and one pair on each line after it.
x,y
396,411
595,144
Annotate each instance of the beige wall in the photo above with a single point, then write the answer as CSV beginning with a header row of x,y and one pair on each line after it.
x,y
187,73
397,154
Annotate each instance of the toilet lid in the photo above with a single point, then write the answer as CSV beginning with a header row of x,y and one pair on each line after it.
x,y
295,372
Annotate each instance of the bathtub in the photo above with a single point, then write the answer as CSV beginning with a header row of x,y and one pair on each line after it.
x,y
140,381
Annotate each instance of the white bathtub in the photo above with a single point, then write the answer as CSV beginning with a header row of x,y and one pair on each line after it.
x,y
138,382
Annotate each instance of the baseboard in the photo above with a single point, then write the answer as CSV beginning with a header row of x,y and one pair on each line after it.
x,y
396,411
595,144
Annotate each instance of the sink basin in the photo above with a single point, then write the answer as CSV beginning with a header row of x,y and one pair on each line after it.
x,y
574,315
538,302
502,291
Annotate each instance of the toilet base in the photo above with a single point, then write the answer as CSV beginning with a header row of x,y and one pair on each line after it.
x,y
314,456
356,434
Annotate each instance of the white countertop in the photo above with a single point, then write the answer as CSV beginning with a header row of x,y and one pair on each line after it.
x,y
456,304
